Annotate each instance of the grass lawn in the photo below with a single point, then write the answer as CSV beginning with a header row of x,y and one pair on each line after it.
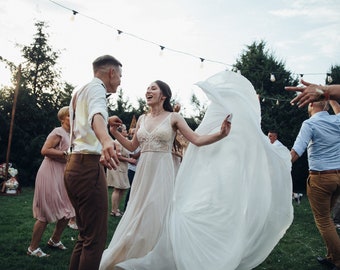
x,y
296,250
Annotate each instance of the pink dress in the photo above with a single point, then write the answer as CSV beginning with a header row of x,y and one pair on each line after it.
x,y
51,202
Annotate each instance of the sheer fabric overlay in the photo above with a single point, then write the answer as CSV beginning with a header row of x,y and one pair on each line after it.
x,y
232,199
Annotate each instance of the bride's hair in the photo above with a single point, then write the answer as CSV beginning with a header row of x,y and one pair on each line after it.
x,y
166,91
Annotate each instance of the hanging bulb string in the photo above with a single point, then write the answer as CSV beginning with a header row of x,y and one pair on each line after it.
x,y
202,59
138,37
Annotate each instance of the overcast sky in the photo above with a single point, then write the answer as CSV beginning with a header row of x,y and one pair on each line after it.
x,y
304,34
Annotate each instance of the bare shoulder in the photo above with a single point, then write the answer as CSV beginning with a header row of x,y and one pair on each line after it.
x,y
175,117
178,121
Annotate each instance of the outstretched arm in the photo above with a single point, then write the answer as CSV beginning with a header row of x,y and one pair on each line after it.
x,y
130,145
312,92
198,139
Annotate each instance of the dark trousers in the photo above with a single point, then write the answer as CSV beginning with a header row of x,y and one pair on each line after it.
x,y
131,175
323,191
87,189
336,212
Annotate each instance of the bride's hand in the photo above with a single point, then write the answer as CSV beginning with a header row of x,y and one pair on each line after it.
x,y
226,126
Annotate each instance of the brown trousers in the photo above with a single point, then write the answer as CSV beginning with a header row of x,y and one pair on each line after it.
x,y
323,191
86,186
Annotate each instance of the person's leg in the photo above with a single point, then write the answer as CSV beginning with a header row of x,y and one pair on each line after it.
x,y
72,223
336,212
121,195
131,175
38,230
319,190
72,171
114,200
91,206
58,230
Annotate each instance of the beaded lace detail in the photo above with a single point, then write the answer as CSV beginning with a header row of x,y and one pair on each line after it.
x,y
158,140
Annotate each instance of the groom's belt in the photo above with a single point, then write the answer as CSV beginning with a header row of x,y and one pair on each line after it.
x,y
324,172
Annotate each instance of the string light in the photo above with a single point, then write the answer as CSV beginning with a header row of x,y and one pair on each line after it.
x,y
277,101
162,50
120,32
329,78
272,77
301,78
202,60
74,13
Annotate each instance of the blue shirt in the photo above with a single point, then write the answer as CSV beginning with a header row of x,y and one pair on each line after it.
x,y
320,134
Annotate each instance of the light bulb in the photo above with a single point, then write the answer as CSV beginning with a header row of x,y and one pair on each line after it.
x,y
272,78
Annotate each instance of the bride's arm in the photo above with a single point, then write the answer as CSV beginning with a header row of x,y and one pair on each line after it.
x,y
179,123
130,145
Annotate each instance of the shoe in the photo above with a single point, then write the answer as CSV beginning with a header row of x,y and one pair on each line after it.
x,y
73,226
337,226
58,245
116,214
326,262
37,253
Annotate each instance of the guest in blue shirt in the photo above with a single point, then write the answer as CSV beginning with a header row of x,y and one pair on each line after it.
x,y
320,135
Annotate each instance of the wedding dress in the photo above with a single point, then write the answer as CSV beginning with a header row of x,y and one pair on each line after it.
x,y
232,200
141,225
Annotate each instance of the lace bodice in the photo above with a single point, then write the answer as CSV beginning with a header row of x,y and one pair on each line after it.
x,y
158,140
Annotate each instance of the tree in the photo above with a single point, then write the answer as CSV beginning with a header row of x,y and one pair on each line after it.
x,y
123,109
41,94
334,74
199,108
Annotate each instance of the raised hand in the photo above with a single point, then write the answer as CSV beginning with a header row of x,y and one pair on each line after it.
x,y
309,93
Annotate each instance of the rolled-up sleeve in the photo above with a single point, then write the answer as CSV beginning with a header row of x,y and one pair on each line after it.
x,y
97,103
303,139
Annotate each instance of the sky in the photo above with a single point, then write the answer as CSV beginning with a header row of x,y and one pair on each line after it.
x,y
303,34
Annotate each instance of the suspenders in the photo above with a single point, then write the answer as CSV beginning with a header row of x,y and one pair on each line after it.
x,y
74,105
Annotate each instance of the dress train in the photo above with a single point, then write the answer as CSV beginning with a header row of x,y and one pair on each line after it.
x,y
232,199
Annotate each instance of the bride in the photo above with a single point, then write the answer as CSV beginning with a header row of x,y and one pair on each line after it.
x,y
232,199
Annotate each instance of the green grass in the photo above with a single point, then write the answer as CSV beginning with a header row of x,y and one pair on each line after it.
x,y
296,250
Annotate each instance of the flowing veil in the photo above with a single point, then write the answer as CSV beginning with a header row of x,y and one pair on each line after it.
x,y
232,199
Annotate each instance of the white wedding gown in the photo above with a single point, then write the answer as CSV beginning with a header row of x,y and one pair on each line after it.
x,y
232,200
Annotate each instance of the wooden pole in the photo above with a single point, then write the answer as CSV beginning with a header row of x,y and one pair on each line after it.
x,y
16,91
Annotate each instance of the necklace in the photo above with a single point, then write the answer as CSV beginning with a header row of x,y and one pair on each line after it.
x,y
155,114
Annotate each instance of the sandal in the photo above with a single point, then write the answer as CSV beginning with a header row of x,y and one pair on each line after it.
x,y
116,214
37,253
58,245
73,226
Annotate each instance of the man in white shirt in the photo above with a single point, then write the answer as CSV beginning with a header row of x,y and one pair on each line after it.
x,y
91,146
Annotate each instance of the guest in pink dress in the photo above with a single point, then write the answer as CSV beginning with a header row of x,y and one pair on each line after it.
x,y
51,203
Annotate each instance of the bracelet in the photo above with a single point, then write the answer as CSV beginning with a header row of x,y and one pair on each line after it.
x,y
323,93
326,93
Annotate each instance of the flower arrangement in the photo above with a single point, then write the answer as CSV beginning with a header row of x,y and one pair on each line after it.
x,y
11,184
